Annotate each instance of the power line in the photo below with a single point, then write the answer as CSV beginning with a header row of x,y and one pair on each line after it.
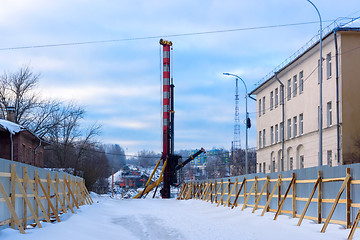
x,y
159,36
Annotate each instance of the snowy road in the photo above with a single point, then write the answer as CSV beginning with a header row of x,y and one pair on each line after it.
x,y
171,219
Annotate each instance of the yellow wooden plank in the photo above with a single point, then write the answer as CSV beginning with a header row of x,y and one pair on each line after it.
x,y
333,179
71,193
14,216
248,196
37,199
260,195
308,202
283,200
306,181
354,226
261,179
335,203
27,201
5,174
355,182
271,195
5,222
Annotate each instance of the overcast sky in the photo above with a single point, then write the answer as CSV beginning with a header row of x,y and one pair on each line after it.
x,y
119,83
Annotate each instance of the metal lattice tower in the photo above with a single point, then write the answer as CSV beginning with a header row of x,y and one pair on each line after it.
x,y
236,142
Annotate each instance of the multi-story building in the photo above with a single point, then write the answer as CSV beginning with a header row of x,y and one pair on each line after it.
x,y
288,106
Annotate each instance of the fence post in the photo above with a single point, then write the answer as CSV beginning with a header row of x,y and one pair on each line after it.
x,y
24,201
256,187
319,197
222,191
36,192
348,200
215,188
244,191
279,191
267,191
229,189
12,194
294,196
49,193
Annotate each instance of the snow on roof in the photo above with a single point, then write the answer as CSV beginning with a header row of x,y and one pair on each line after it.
x,y
10,126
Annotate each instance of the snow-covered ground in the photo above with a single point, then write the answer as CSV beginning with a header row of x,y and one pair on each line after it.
x,y
172,219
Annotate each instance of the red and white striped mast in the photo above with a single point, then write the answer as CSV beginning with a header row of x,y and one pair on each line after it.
x,y
168,115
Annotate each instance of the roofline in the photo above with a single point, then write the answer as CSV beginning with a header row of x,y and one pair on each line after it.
x,y
337,29
25,129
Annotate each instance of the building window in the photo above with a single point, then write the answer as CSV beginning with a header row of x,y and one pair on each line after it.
x,y
259,107
291,163
276,97
263,105
289,128
329,158
29,156
295,85
328,65
23,151
289,89
259,167
264,142
302,163
282,95
319,77
281,131
271,100
301,82
260,139
295,126
329,114
301,124
264,164
276,133
272,135
273,166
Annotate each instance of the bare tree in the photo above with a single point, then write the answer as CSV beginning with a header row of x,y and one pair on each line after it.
x,y
147,158
17,90
116,156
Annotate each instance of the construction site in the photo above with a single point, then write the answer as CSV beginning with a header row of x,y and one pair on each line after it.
x,y
84,153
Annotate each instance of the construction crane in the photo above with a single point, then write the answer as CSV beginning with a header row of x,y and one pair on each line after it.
x,y
171,161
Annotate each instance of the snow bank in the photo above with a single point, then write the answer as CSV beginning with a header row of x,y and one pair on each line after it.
x,y
171,219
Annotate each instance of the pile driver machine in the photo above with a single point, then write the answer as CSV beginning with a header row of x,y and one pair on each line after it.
x,y
171,162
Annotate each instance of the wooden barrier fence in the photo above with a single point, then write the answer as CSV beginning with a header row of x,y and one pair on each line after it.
x,y
53,197
222,192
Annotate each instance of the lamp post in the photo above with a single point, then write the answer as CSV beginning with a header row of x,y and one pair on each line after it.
x,y
320,85
246,125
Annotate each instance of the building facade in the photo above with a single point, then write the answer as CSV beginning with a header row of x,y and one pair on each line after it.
x,y
288,107
20,145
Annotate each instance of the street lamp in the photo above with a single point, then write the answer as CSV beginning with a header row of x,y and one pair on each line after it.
x,y
320,77
247,116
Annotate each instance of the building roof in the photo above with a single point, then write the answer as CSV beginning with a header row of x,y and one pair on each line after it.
x,y
15,128
337,29
10,126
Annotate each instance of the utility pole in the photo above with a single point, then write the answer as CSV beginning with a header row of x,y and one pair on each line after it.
x,y
247,121
320,112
